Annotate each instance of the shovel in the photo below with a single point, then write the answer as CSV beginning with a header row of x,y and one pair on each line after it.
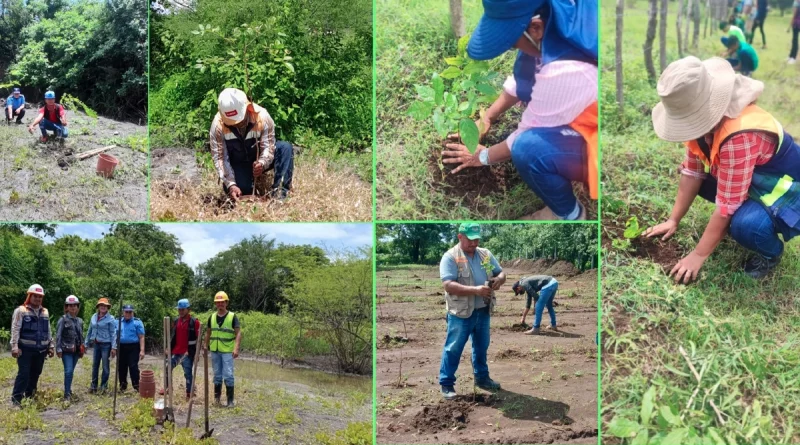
x,y
194,380
169,415
208,432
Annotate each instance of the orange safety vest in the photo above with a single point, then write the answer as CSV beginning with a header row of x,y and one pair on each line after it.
x,y
586,125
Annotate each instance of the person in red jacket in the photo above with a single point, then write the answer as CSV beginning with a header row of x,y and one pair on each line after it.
x,y
185,332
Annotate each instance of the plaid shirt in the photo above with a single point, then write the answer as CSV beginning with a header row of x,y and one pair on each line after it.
x,y
737,159
263,130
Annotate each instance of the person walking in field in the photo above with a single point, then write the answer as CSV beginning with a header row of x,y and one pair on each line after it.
x,y
101,335
31,343
738,156
223,339
185,332
15,107
556,140
541,289
131,348
463,271
758,22
51,117
794,27
69,341
243,147
744,58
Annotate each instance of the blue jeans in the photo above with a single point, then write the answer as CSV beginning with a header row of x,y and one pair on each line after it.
x,y
187,368
59,130
548,160
458,331
70,360
283,163
102,352
222,362
546,296
29,368
746,66
752,226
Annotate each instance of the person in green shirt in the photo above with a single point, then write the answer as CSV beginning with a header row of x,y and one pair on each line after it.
x,y
732,32
745,58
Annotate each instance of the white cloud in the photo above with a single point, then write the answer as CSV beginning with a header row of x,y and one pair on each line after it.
x,y
197,242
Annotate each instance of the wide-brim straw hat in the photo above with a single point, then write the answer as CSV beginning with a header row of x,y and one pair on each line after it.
x,y
694,95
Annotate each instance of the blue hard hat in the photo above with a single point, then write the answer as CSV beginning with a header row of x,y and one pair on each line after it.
x,y
502,24
183,303
127,308
49,95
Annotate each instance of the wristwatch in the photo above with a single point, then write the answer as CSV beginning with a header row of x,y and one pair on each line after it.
x,y
483,156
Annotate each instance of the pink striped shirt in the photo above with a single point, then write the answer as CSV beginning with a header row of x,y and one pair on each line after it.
x,y
563,89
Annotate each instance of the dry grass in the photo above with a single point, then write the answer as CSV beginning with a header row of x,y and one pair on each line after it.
x,y
322,192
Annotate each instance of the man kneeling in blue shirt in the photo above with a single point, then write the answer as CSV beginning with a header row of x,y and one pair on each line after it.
x,y
15,107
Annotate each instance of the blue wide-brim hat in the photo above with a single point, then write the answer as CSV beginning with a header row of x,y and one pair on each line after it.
x,y
501,25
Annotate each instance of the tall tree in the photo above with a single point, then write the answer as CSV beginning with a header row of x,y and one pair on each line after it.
x,y
620,11
662,36
652,19
457,18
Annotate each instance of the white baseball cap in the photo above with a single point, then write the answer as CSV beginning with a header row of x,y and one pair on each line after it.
x,y
36,289
232,105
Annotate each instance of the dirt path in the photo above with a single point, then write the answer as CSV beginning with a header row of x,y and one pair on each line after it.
x,y
35,188
322,191
288,406
549,382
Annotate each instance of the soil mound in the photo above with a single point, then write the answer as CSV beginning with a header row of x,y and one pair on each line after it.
x,y
562,269
446,415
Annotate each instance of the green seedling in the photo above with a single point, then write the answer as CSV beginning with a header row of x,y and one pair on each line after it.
x,y
632,228
453,107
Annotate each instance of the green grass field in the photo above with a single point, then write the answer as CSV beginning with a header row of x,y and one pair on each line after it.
x,y
413,37
738,335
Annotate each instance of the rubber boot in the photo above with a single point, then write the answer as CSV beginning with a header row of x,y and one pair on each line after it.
x,y
229,392
217,393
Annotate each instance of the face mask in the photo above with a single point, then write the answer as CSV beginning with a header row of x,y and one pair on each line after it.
x,y
533,42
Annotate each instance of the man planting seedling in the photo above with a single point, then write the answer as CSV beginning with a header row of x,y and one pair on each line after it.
x,y
243,147
556,141
738,157
469,303
541,289
51,117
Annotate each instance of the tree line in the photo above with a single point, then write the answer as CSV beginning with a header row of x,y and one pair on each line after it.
x,y
283,292
95,51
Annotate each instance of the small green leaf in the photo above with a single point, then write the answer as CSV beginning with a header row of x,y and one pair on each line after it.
x,y
439,123
475,67
451,72
622,427
450,103
425,93
454,61
675,437
641,438
632,229
669,416
438,88
467,84
420,110
463,106
647,405
469,134
462,44
486,89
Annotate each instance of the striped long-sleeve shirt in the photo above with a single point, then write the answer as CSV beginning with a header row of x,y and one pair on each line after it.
x,y
263,129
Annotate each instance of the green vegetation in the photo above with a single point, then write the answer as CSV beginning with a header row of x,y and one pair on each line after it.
x,y
93,50
712,362
309,64
284,293
426,243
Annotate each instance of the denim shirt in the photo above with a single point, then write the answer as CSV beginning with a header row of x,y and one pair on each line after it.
x,y
103,331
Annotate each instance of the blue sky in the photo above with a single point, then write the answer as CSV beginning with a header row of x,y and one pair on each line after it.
x,y
201,241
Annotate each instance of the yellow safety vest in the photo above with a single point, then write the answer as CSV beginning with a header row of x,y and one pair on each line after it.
x,y
222,337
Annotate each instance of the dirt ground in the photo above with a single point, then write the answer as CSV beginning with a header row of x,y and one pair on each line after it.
x,y
182,190
276,405
36,188
549,382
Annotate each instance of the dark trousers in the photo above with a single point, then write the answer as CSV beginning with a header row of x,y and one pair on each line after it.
x,y
29,368
283,164
128,361
793,52
757,23
10,114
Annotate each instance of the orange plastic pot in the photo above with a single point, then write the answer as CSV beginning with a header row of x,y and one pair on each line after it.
x,y
106,165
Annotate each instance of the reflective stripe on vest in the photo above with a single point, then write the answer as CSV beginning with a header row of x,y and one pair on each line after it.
x,y
751,119
35,329
222,337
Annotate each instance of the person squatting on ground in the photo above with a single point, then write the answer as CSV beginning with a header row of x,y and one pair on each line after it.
x,y
69,341
469,307
223,339
131,348
556,140
15,107
31,343
738,156
731,32
743,57
185,332
541,289
101,335
243,147
51,117
794,27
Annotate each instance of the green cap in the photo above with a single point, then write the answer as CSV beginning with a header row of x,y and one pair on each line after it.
x,y
470,230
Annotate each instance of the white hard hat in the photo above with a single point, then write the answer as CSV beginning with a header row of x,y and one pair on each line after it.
x,y
232,105
36,289
72,299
